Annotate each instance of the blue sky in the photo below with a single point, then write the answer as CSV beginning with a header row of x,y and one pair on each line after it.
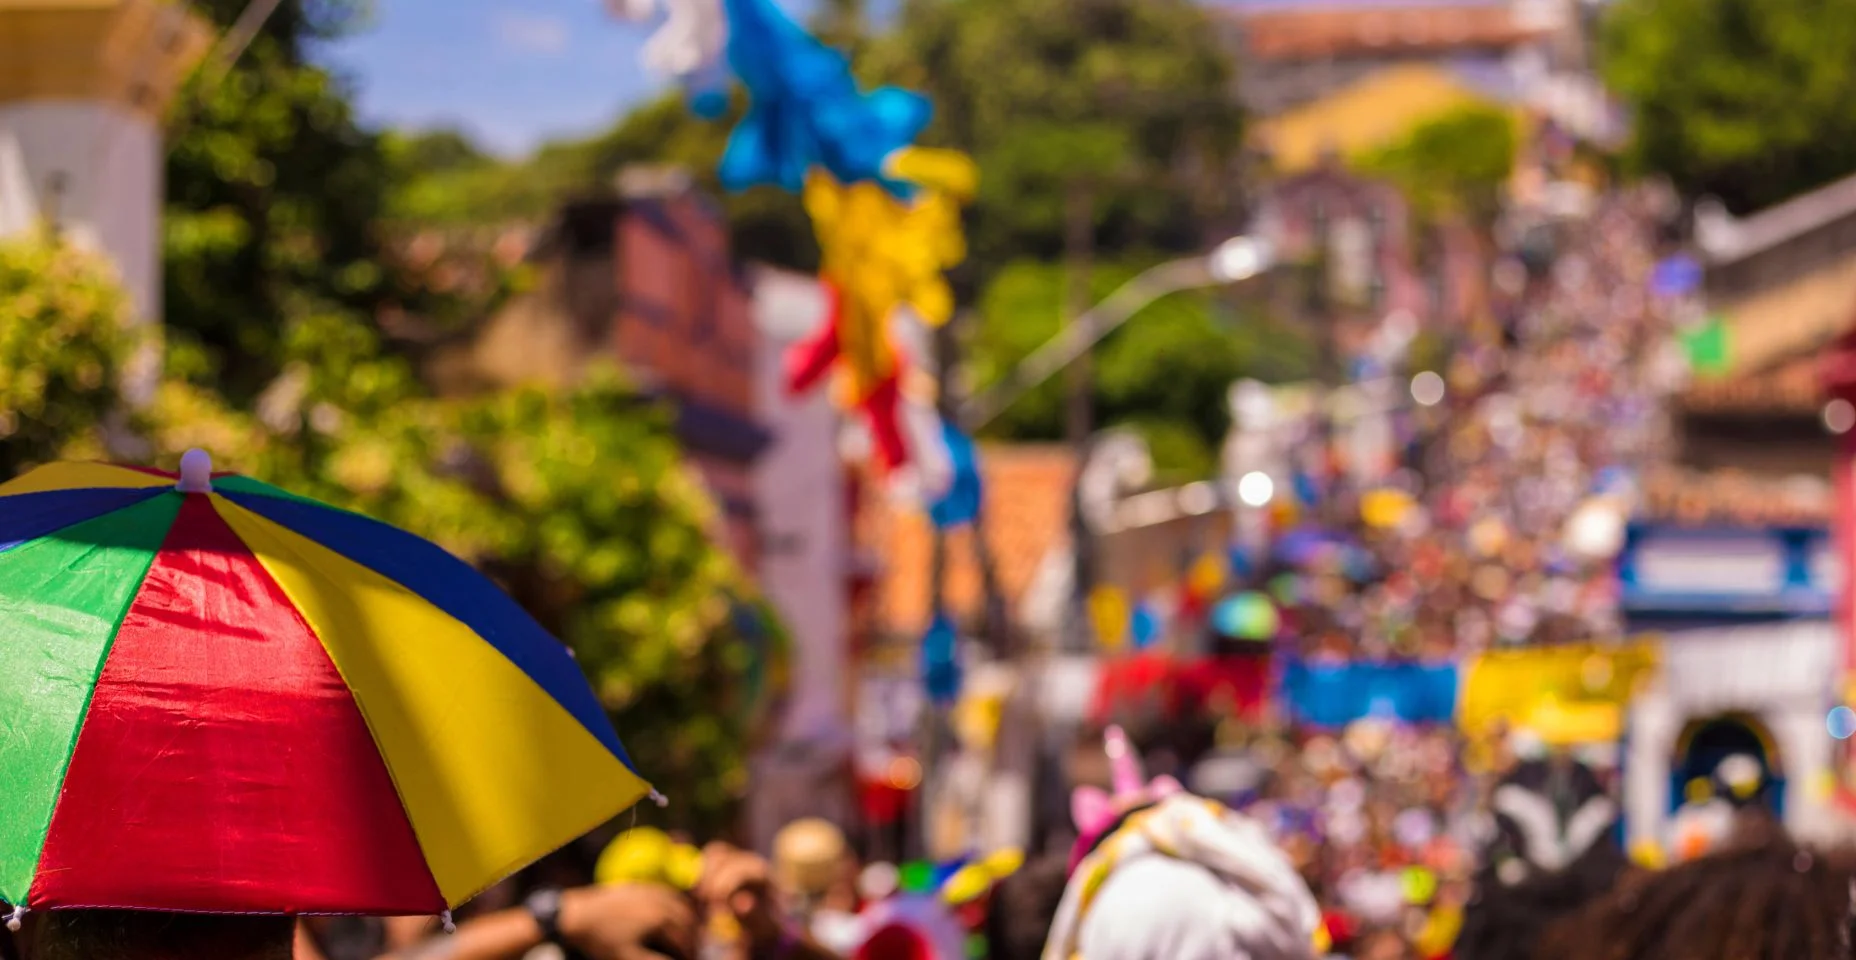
x,y
512,73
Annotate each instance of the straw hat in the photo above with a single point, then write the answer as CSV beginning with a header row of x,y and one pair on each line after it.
x,y
808,855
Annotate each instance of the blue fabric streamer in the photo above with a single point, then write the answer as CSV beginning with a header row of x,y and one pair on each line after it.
x,y
960,505
1335,695
805,109
941,675
1143,626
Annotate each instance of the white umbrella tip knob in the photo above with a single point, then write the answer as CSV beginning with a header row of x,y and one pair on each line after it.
x,y
196,472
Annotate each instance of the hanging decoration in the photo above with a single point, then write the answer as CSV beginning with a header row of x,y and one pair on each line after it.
x,y
880,257
1144,627
887,214
959,504
1108,614
804,108
691,37
1246,616
941,673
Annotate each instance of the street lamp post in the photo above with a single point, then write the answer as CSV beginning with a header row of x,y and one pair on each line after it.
x,y
1234,260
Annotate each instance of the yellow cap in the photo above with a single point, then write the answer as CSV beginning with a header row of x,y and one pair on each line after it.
x,y
647,855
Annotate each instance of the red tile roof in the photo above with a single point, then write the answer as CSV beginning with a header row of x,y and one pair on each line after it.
x,y
1309,34
1027,513
1792,388
1732,497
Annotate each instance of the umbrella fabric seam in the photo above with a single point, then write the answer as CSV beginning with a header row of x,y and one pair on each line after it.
x,y
202,556
551,685
281,539
137,496
96,674
360,705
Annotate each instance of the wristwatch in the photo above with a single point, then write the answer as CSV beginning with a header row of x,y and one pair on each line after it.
x,y
545,906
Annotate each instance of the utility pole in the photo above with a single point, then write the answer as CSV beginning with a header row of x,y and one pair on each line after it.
x,y
1079,255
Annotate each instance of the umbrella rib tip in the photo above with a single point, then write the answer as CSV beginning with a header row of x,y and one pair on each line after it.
x,y
658,798
14,919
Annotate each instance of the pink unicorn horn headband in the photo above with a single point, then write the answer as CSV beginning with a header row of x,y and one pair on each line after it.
x,y
1095,811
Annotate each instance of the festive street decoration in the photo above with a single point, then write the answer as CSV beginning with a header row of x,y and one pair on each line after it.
x,y
1247,616
880,256
1109,614
941,671
805,110
226,698
691,37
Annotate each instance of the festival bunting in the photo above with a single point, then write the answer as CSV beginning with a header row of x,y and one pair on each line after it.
x,y
690,38
887,214
805,110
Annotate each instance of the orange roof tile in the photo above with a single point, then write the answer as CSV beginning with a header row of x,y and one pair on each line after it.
x,y
1027,513
1307,34
1732,497
1793,388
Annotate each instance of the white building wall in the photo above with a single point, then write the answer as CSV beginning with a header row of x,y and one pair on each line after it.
x,y
1782,673
798,484
110,162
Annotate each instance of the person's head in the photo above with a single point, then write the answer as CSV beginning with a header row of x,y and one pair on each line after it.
x,y
808,857
1186,879
129,935
1022,908
1551,854
1764,898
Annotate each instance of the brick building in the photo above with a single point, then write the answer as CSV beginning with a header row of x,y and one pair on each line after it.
x,y
646,280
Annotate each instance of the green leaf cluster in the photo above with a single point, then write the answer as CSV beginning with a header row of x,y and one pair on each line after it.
x,y
1165,371
1752,101
1452,165
64,340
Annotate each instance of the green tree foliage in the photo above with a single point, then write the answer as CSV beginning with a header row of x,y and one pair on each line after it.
x,y
766,224
273,194
1136,95
1164,372
1455,164
1752,101
62,341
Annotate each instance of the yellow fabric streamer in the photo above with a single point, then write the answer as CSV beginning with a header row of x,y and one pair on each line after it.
x,y
882,253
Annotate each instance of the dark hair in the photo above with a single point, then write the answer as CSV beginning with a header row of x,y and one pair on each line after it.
x,y
1022,910
1518,893
130,935
1765,898
1504,921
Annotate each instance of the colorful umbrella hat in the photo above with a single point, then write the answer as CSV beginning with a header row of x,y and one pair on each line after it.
x,y
220,697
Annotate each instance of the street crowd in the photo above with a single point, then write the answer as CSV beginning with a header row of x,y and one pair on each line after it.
x,y
1554,403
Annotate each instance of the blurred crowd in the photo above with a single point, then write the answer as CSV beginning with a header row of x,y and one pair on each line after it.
x,y
1551,404
1494,528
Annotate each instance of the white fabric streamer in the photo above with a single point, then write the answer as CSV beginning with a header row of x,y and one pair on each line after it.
x,y
691,37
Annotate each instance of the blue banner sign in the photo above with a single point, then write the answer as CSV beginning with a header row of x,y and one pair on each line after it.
x,y
1334,695
1725,570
